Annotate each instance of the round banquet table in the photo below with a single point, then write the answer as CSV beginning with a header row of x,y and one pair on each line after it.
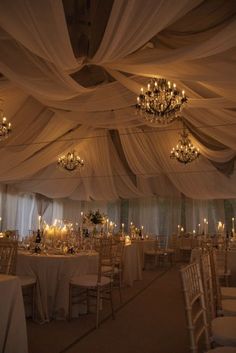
x,y
13,335
53,273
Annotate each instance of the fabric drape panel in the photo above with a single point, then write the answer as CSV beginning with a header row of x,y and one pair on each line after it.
x,y
42,204
25,21
57,210
123,35
52,110
24,215
158,215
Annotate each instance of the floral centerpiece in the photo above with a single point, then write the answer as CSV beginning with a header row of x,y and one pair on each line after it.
x,y
94,218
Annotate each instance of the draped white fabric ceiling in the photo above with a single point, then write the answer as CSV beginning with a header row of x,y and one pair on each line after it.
x,y
70,76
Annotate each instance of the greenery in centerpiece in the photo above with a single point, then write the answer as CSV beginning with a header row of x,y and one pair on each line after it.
x,y
94,218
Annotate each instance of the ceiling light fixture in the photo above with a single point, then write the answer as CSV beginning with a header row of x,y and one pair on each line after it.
x,y
70,162
161,103
185,152
5,128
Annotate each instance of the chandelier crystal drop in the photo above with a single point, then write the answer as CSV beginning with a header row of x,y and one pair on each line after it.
x,y
70,162
161,103
5,128
185,152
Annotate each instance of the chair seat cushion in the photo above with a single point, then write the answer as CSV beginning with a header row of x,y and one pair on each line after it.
x,y
90,281
223,350
108,269
224,331
150,252
229,307
27,280
222,272
228,292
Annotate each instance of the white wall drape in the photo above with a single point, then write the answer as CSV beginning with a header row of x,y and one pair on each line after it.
x,y
158,215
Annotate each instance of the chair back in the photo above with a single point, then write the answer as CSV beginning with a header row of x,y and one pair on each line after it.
x,y
186,241
8,254
195,306
215,281
162,241
205,266
119,254
221,260
106,256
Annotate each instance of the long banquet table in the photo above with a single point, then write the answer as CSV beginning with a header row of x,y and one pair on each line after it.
x,y
13,335
53,273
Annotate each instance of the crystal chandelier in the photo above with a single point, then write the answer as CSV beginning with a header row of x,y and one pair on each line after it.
x,y
161,102
70,161
5,128
185,152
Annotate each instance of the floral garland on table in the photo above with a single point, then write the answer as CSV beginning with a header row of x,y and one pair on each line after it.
x,y
94,218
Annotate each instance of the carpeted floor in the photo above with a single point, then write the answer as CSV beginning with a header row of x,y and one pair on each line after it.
x,y
150,319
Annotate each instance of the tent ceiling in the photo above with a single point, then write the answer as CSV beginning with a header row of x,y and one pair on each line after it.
x,y
70,74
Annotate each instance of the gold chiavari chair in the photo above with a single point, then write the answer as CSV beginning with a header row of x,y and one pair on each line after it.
x,y
8,254
97,285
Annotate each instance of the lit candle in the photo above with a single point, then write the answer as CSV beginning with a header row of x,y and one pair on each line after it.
x,y
0,224
205,226
178,229
233,225
122,228
39,222
111,227
131,228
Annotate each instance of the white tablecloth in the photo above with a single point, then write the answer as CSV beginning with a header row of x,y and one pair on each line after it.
x,y
53,273
13,335
132,264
